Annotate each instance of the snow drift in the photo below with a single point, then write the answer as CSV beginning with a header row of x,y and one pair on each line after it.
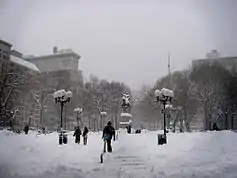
x,y
200,154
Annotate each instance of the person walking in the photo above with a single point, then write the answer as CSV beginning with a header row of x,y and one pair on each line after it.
x,y
108,134
26,129
77,134
84,135
129,129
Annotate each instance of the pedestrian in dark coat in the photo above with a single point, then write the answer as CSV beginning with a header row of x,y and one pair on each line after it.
x,y
77,135
129,129
108,134
84,135
215,127
26,129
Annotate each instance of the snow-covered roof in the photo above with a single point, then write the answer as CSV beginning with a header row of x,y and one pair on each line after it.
x,y
103,113
24,63
57,54
168,106
126,115
124,123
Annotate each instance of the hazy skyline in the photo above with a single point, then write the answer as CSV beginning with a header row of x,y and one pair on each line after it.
x,y
127,41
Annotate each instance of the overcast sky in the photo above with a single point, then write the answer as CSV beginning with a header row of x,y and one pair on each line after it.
x,y
127,41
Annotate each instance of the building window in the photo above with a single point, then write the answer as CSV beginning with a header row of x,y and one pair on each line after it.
x,y
66,64
5,55
11,65
0,54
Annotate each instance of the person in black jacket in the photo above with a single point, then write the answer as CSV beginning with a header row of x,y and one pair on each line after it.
x,y
26,129
84,135
215,127
77,134
129,129
108,134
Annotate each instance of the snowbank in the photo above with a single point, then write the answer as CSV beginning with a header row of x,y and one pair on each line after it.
x,y
199,154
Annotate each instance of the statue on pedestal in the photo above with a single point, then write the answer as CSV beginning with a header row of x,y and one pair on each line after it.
x,y
126,103
126,115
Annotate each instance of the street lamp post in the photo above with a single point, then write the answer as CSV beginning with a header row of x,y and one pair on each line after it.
x,y
62,97
164,96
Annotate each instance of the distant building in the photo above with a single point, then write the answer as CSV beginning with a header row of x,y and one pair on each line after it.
x,y
213,54
49,72
64,59
59,70
214,57
60,60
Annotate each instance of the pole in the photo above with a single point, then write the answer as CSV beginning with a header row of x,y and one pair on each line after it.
x,y
61,115
65,121
169,69
164,119
232,121
81,120
101,122
168,116
226,120
77,119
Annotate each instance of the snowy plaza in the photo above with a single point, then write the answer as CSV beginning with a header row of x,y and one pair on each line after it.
x,y
118,89
197,154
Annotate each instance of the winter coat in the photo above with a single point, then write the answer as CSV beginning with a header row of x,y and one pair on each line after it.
x,y
129,127
77,132
85,132
108,132
26,129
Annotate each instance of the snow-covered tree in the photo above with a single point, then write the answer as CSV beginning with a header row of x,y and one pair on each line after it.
x,y
101,95
208,87
16,82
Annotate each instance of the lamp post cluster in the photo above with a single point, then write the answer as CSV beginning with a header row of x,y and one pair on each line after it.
x,y
164,96
78,112
62,97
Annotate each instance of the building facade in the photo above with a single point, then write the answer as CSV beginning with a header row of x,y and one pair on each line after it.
x,y
212,58
43,75
17,79
5,50
59,70
64,59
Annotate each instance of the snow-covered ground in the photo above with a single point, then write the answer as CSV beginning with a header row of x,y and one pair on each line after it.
x,y
210,154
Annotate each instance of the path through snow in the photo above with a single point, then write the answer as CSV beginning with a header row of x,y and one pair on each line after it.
x,y
210,154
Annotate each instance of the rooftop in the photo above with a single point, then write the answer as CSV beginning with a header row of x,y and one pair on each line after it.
x,y
24,63
218,58
6,43
64,52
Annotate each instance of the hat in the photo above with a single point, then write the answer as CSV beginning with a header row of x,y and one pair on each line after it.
x,y
109,123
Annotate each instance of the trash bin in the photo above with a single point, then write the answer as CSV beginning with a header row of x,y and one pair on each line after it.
x,y
138,131
162,139
60,140
65,138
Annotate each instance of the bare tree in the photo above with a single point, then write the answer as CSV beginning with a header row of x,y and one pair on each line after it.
x,y
11,86
208,88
